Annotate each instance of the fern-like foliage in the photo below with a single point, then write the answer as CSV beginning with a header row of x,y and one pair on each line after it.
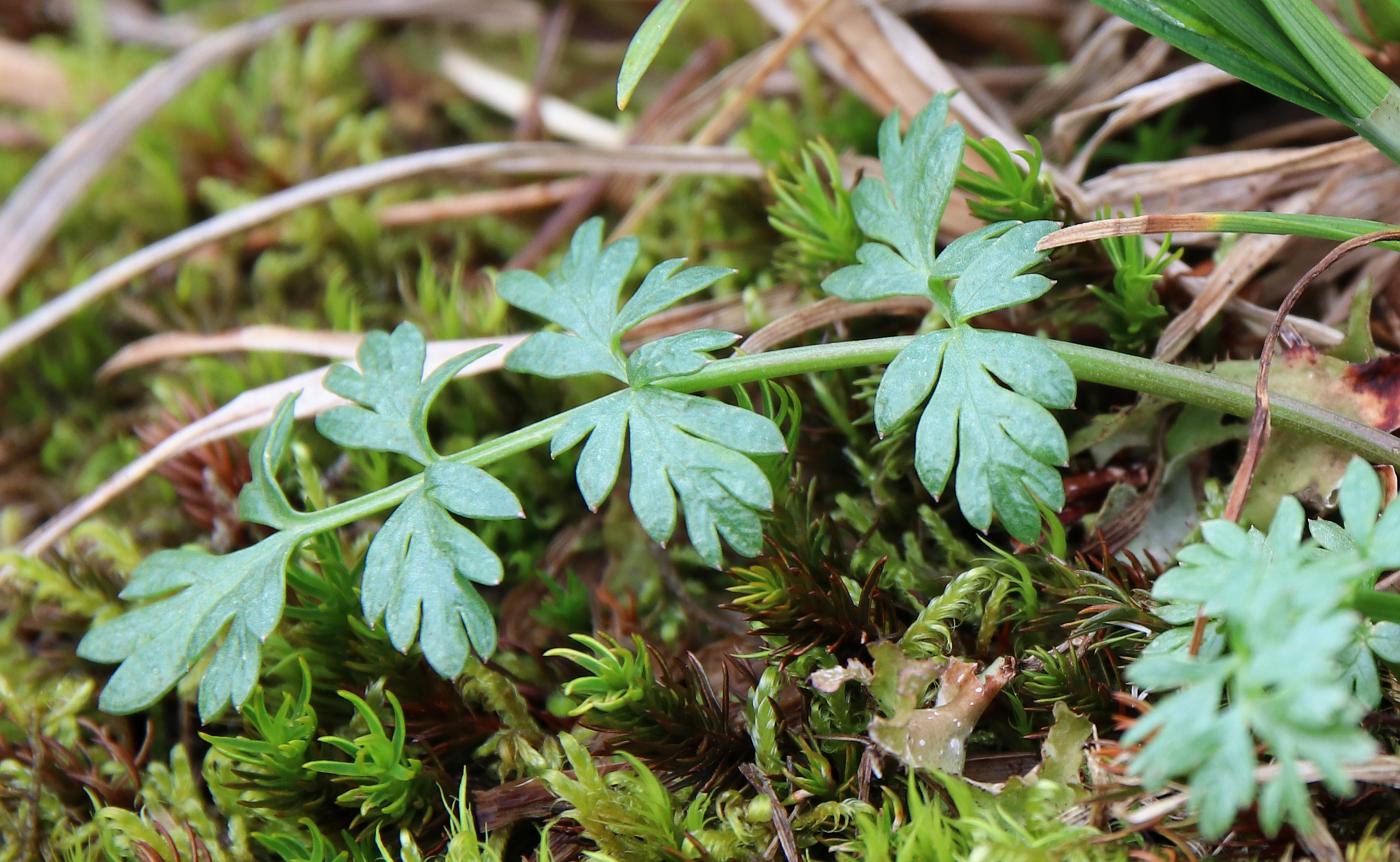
x,y
1278,664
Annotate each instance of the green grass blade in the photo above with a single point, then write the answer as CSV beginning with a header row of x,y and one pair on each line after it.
x,y
1356,85
1182,24
645,45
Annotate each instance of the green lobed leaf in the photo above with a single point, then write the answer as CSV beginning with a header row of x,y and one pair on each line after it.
x,y
583,296
392,394
421,566
986,392
195,596
682,446
1003,441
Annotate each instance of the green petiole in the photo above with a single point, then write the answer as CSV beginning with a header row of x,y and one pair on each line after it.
x,y
1089,364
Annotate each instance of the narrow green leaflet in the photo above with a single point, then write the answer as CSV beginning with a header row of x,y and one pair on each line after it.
x,y
418,573
262,500
985,395
645,45
682,446
421,564
196,596
1286,662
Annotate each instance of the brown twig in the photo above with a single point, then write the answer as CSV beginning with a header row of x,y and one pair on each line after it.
x,y
556,30
1259,425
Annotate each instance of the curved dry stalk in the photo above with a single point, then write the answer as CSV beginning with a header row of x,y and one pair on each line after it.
x,y
825,312
501,157
35,208
1259,423
280,339
512,97
1202,222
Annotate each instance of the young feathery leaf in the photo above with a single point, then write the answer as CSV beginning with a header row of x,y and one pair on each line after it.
x,y
1284,661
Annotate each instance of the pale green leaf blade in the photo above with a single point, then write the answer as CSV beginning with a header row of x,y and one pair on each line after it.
x,y
904,209
601,459
651,496
1384,641
681,445
528,292
1360,500
418,575
908,380
1028,366
470,492
197,596
881,273
1225,782
676,355
582,297
667,284
645,45
389,375
1005,443
729,426
563,354
995,276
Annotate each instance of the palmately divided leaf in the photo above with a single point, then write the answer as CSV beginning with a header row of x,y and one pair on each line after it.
x,y
904,209
986,392
1004,442
195,596
262,501
989,266
681,445
421,565
392,394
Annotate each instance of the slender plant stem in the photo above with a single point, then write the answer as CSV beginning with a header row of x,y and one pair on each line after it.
x,y
1089,364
